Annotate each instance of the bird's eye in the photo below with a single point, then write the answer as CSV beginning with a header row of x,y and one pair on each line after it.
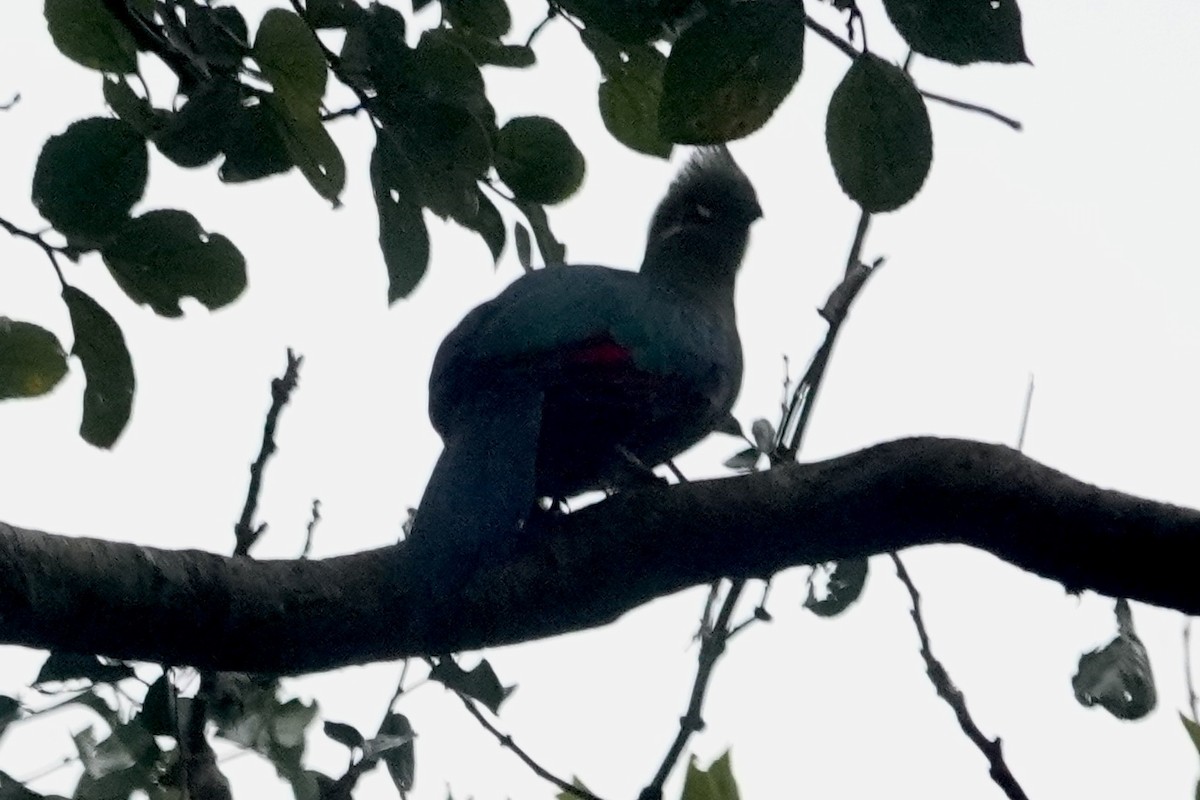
x,y
703,212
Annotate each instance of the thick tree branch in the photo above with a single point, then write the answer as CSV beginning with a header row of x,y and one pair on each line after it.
x,y
587,568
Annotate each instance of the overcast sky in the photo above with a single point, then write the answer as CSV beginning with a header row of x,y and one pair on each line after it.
x,y
1065,251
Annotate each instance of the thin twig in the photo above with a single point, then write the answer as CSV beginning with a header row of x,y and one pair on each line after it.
x,y
16,98
946,689
506,740
712,645
313,519
244,531
978,109
50,250
551,13
1025,415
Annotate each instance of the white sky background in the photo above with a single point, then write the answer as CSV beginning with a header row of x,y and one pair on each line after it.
x,y
1065,251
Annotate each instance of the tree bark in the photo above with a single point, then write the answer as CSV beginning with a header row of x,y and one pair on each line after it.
x,y
587,568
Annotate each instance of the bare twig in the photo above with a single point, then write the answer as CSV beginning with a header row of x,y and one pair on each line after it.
x,y
551,13
946,689
16,98
245,531
1025,415
50,250
1193,701
313,519
712,645
506,740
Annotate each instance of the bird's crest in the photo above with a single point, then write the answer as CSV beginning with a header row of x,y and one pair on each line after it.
x,y
710,184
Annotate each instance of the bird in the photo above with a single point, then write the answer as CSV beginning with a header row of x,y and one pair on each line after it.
x,y
584,377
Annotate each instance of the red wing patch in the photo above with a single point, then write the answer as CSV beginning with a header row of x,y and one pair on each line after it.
x,y
599,352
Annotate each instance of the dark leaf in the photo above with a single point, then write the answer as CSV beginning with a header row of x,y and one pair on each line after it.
x,y
630,23
85,32
75,666
158,709
399,754
10,711
537,159
449,152
164,255
88,177
332,13
524,250
403,237
32,361
878,135
630,97
343,734
553,251
744,460
489,51
728,73
375,53
846,581
715,783
488,223
253,146
291,59
100,348
195,134
961,31
219,35
488,18
1193,731
310,148
443,71
479,683
129,106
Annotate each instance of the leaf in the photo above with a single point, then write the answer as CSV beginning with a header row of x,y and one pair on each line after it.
x,y
291,59
403,237
100,348
194,135
961,32
61,666
715,783
729,71
1193,730
553,251
164,255
878,134
489,51
400,759
85,32
845,584
130,107
524,251
254,147
332,13
88,177
488,223
343,734
479,683
488,18
219,35
310,148
536,158
744,460
449,152
32,361
764,435
631,93
157,715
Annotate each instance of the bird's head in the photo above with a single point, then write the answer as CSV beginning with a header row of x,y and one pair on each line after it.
x,y
700,229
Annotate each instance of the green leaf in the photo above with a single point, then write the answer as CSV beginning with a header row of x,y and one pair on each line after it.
x,y
219,35
537,159
164,255
254,147
744,460
846,581
489,51
194,135
728,72
291,59
32,361
443,71
631,94
524,250
488,18
403,237
310,148
878,134
630,23
85,32
401,759
129,106
100,347
961,32
375,53
88,177
553,251
332,13
1193,730
343,734
479,683
715,783
61,666
488,223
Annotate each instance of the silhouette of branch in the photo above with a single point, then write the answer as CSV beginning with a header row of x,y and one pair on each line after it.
x,y
50,250
946,689
245,532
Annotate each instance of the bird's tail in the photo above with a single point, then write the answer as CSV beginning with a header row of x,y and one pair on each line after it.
x,y
482,487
